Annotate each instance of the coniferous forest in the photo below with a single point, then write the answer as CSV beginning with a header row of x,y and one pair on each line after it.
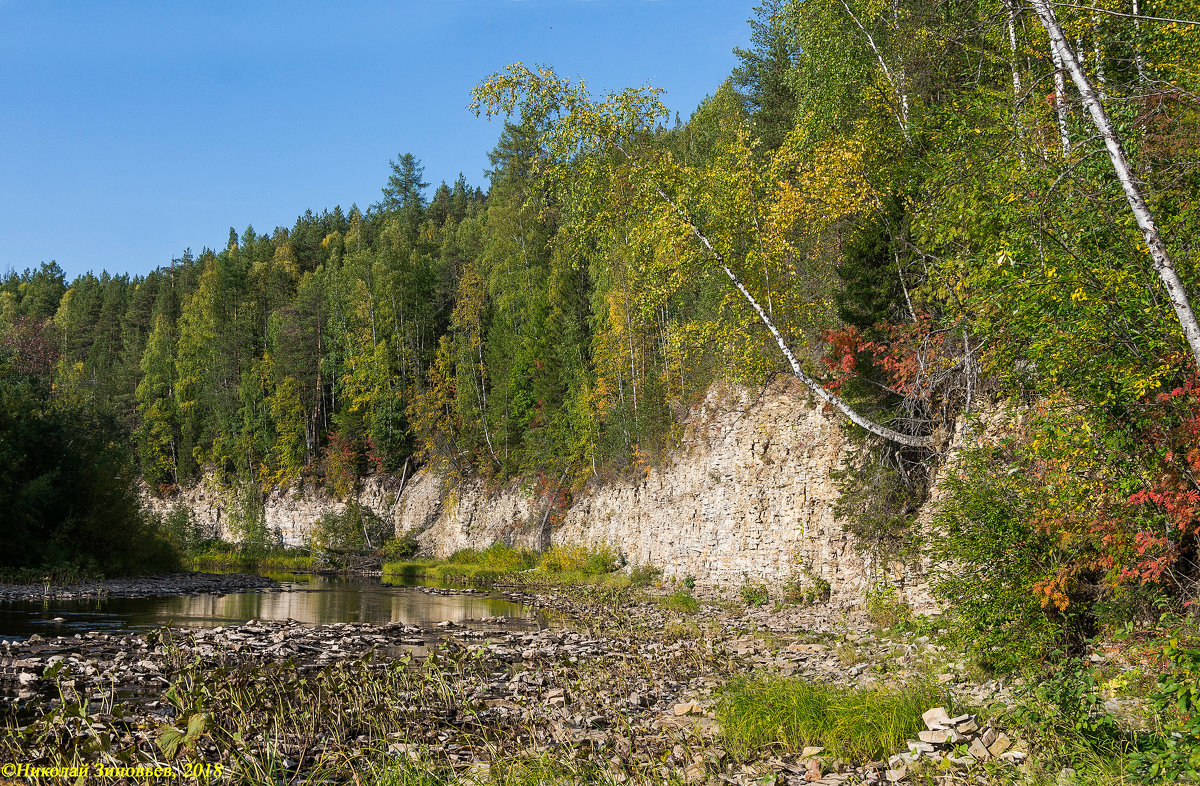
x,y
917,209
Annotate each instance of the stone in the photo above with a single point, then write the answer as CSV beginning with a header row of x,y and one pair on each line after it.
x,y
940,736
811,750
1001,744
979,750
935,717
688,708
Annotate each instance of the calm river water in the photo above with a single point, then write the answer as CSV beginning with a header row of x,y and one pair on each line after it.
x,y
310,599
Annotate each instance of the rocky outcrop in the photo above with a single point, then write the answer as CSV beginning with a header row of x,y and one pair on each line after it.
x,y
747,496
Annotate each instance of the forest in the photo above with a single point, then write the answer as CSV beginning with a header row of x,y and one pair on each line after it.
x,y
918,209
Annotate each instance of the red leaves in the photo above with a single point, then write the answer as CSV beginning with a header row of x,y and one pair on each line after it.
x,y
912,353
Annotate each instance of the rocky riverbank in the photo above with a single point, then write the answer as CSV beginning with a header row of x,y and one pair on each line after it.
x,y
621,691
154,586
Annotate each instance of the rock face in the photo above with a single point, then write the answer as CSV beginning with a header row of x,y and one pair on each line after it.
x,y
748,496
288,513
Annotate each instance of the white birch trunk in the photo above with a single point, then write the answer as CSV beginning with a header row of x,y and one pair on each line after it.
x,y
1060,100
1159,256
1137,44
898,82
825,395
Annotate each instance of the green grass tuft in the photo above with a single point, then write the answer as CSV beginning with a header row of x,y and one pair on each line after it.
x,y
681,601
856,724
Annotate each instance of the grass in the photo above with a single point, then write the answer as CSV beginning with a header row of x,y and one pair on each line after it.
x,y
275,561
681,601
563,565
855,724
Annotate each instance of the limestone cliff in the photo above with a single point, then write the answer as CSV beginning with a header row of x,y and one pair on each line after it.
x,y
748,495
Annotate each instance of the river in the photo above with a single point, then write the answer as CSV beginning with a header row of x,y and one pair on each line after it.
x,y
312,600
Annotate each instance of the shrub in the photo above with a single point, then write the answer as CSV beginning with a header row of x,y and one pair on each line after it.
x,y
180,529
356,528
755,594
499,557
644,575
806,588
1173,753
580,559
403,547
991,558
886,607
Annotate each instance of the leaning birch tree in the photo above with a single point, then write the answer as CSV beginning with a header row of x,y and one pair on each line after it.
x,y
735,217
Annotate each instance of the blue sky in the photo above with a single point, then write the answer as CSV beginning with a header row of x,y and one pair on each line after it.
x,y
133,130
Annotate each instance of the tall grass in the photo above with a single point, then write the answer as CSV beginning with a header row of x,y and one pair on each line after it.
x,y
856,724
225,558
680,600
500,563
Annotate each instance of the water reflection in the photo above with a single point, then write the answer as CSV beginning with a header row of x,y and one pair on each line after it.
x,y
312,600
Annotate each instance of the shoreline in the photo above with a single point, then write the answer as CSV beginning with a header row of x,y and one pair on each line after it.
x,y
159,585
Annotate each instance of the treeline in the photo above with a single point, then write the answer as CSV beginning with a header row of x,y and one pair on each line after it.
x,y
907,207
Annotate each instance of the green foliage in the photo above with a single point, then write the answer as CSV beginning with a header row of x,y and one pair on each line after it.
x,y
399,548
248,521
180,528
498,556
886,608
584,560
67,486
355,528
1172,753
880,489
992,558
644,575
856,724
1067,698
806,588
754,594
681,601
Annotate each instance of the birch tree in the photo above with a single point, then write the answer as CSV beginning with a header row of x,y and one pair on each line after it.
x,y
725,219
1159,256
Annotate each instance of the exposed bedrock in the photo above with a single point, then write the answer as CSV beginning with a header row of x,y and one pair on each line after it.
x,y
748,495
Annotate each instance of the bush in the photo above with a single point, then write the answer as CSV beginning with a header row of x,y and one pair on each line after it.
x,y
499,557
401,548
755,594
580,559
180,529
355,529
644,575
68,501
806,588
990,558
886,608
1173,753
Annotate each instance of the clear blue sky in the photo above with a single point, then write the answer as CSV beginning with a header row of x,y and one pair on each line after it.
x,y
133,130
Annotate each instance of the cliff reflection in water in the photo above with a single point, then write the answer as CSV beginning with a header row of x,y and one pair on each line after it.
x,y
313,600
